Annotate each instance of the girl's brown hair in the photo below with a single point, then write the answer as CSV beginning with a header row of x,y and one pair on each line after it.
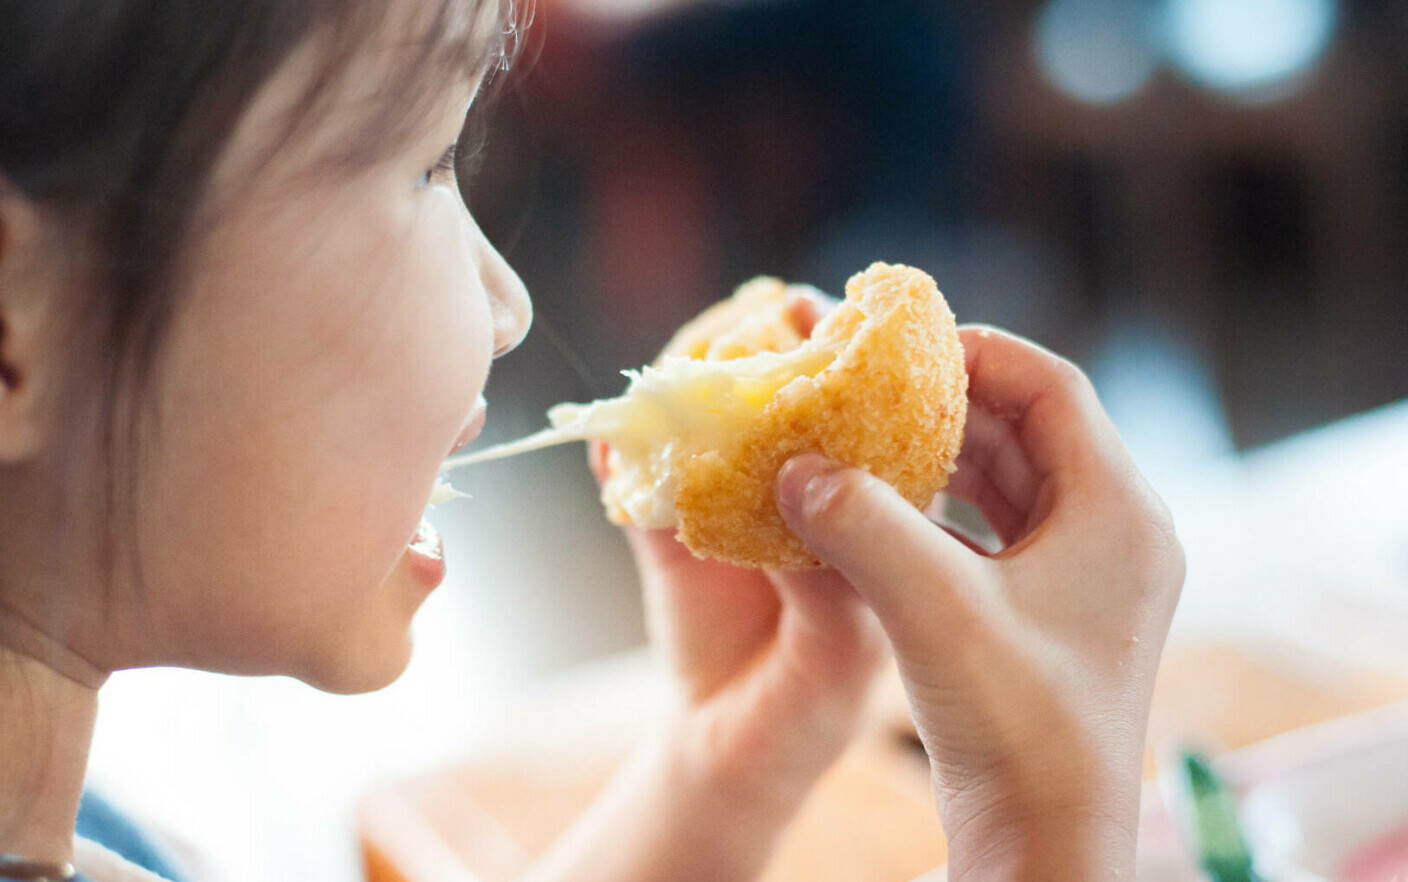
x,y
113,114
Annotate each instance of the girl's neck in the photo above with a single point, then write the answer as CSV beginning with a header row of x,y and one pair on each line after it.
x,y
46,729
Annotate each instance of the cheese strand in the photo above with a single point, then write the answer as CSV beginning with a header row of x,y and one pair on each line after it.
x,y
550,437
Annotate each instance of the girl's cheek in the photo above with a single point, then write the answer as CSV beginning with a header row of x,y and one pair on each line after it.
x,y
464,328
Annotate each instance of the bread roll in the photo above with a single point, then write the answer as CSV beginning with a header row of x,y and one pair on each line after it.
x,y
892,401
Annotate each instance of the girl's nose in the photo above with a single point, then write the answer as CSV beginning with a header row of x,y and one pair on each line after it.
x,y
509,304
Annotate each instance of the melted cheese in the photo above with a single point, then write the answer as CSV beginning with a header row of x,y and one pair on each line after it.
x,y
443,492
680,407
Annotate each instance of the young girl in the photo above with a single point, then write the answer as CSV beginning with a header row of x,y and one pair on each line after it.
x,y
244,316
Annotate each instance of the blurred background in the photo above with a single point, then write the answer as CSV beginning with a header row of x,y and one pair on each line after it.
x,y
1202,202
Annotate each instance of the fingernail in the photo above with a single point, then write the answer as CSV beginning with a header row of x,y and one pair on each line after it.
x,y
802,477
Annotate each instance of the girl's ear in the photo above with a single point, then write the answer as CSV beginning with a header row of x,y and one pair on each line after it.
x,y
29,295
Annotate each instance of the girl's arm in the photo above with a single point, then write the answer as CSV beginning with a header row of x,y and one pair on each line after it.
x,y
666,818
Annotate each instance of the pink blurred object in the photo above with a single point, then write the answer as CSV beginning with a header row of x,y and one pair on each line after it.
x,y
1326,803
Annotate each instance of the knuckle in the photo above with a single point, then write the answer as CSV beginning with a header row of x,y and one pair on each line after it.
x,y
1068,376
1157,552
1173,561
1136,528
1154,521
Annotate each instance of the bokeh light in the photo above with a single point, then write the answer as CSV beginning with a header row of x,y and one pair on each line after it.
x,y
1096,51
1245,46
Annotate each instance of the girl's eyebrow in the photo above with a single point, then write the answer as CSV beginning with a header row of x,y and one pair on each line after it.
x,y
454,98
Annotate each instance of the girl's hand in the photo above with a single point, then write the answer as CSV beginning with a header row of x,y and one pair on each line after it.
x,y
773,668
773,671
1028,671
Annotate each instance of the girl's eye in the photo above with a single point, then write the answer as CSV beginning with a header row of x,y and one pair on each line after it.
x,y
444,169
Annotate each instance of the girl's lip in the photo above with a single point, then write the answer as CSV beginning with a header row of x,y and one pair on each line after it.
x,y
426,555
472,427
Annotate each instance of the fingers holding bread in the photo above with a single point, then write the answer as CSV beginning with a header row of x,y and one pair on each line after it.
x,y
1047,401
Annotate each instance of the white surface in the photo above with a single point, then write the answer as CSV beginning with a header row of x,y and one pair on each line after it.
x,y
1306,540
1309,798
1316,818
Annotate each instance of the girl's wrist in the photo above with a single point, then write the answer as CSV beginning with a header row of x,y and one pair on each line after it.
x,y
691,820
1073,847
686,822
1087,833
738,786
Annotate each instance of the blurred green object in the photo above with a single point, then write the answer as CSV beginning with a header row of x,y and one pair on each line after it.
x,y
1222,851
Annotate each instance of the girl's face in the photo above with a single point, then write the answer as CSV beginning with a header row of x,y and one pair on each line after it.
x,y
330,352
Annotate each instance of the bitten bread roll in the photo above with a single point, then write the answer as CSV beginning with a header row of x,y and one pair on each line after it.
x,y
697,440
892,401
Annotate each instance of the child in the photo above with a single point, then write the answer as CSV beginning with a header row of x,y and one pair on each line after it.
x,y
244,316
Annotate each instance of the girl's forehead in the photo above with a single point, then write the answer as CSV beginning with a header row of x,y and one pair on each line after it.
x,y
345,100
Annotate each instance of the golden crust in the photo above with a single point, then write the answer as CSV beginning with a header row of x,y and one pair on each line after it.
x,y
755,319
893,402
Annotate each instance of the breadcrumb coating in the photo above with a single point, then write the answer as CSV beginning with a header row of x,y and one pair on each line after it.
x,y
755,319
892,402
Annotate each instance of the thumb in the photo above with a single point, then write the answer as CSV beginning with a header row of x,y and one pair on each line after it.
x,y
920,581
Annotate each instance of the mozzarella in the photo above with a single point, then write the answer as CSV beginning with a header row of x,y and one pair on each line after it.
x,y
674,409
443,492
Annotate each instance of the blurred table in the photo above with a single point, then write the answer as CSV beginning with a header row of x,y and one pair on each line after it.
x,y
871,817
1296,612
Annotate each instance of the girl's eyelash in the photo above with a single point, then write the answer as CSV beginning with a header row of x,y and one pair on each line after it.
x,y
469,159
456,162
448,160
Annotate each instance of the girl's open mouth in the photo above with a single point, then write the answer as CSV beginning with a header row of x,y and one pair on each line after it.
x,y
426,555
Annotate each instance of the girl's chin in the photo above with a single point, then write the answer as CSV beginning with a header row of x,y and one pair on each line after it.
x,y
380,656
366,668
358,682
